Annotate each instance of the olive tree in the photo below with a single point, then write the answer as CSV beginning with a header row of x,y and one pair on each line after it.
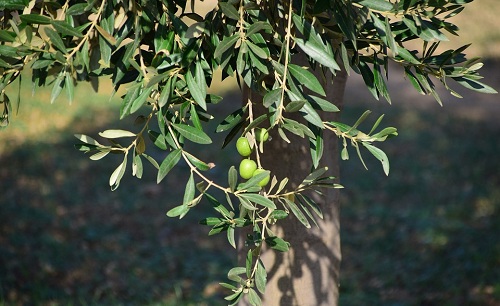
x,y
291,60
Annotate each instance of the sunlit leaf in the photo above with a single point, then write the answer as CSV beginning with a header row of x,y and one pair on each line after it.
x,y
192,133
306,78
116,134
168,163
318,53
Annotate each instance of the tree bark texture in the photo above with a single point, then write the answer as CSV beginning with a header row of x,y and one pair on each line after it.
x,y
308,274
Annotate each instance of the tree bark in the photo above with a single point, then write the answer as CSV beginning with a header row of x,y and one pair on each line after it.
x,y
308,274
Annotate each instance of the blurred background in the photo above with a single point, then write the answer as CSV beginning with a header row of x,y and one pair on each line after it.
x,y
429,234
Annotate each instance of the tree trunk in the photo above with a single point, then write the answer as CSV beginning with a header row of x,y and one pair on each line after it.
x,y
308,274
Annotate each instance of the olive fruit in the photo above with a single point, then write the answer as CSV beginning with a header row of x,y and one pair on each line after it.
x,y
247,168
262,135
265,180
243,147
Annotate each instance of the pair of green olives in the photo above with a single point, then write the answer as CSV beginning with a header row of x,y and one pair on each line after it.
x,y
248,167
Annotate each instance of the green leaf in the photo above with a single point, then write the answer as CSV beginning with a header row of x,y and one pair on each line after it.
x,y
225,44
294,106
306,78
307,29
255,123
344,154
157,139
377,5
211,221
109,38
55,39
386,132
87,139
376,124
85,55
390,37
152,161
105,50
197,162
229,10
137,168
217,206
345,58
279,214
254,298
57,87
128,100
77,9
278,244
259,40
314,206
248,263
196,83
65,29
241,60
298,128
368,78
474,85
99,155
231,120
189,191
199,77
117,175
116,134
414,81
35,18
322,104
70,88
218,229
316,147
258,63
297,212
272,97
195,119
344,16
313,176
168,163
318,53
380,155
166,91
192,133
230,236
257,50
361,119
7,36
407,56
261,277
232,177
13,4
258,199
311,115
246,204
257,27
234,273
178,211
253,181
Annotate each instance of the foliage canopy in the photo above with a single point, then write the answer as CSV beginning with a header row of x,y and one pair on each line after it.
x,y
165,55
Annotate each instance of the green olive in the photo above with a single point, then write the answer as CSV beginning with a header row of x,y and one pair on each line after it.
x,y
243,147
247,168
